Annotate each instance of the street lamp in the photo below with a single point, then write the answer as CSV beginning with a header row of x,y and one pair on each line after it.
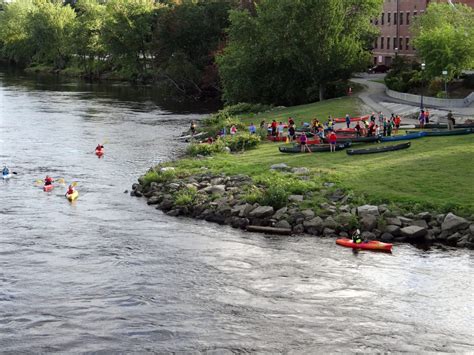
x,y
423,66
445,73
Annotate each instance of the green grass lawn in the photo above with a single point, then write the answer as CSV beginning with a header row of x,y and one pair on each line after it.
x,y
435,173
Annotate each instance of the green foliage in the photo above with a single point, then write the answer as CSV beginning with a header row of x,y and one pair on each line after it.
x,y
291,50
242,141
158,176
205,149
253,195
444,39
185,197
275,196
468,81
405,76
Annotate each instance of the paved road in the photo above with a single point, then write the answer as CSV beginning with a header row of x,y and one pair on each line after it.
x,y
375,99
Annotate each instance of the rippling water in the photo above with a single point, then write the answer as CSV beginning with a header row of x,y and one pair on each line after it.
x,y
109,273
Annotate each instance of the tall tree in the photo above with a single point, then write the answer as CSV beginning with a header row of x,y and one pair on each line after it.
x,y
290,50
444,39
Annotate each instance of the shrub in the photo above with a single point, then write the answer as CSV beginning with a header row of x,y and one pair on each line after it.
x,y
185,196
157,176
253,194
242,141
205,149
275,196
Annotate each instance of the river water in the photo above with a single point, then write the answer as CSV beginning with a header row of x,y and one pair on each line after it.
x,y
109,273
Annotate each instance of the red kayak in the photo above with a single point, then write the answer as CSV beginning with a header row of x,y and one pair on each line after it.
x,y
99,152
353,119
370,245
48,188
345,130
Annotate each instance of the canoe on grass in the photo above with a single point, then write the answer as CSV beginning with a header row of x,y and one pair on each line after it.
x,y
356,139
314,140
445,125
403,138
444,132
296,148
353,119
378,149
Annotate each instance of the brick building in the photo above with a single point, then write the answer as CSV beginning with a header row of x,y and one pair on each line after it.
x,y
394,24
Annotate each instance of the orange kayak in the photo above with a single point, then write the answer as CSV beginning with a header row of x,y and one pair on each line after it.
x,y
370,245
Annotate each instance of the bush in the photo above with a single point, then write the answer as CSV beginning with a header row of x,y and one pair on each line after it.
x,y
275,196
252,195
157,176
185,197
242,141
205,149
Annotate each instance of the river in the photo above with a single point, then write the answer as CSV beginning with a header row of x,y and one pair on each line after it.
x,y
108,273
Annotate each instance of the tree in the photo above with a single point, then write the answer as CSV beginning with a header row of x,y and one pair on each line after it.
x,y
444,39
50,29
290,50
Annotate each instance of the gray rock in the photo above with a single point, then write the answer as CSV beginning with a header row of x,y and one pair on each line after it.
x,y
386,237
261,212
298,229
393,221
300,171
420,223
413,232
281,167
173,213
368,222
154,200
224,209
236,210
217,181
247,209
433,223
308,214
367,210
366,235
405,221
295,198
383,209
393,230
345,208
315,223
166,205
174,185
280,213
453,239
454,223
471,229
328,184
283,224
330,223
336,195
425,216
440,218
329,232
215,189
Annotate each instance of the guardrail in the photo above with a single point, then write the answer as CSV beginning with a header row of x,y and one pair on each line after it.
x,y
432,101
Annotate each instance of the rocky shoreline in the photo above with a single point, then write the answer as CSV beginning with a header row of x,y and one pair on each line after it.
x,y
220,199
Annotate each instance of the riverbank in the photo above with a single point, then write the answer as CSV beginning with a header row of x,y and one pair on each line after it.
x,y
417,195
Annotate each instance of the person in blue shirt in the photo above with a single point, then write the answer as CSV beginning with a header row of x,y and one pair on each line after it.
x,y
252,129
348,121
5,171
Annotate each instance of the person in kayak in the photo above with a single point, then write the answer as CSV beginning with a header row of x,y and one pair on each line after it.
x,y
70,190
356,237
5,171
48,180
99,147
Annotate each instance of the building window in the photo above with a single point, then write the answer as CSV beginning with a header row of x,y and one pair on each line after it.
x,y
400,44
407,43
414,13
389,17
401,18
382,19
381,42
394,43
395,18
376,43
388,42
408,18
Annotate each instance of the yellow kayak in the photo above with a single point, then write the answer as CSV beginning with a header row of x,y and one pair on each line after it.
x,y
73,196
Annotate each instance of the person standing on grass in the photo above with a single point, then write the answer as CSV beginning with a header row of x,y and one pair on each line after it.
x,y
304,143
274,128
451,121
385,123
381,118
291,132
358,129
281,128
421,119
348,120
397,122
372,117
332,141
389,128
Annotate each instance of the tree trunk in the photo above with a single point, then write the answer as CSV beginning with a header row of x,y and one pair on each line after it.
x,y
322,91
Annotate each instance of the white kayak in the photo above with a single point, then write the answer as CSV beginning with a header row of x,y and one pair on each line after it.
x,y
5,177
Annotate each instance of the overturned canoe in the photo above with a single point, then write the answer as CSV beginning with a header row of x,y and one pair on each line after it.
x,y
296,148
404,137
379,149
444,132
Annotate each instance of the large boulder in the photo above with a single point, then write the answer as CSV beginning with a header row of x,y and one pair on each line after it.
x,y
316,224
413,232
406,221
368,210
453,239
454,223
368,222
386,238
308,214
280,213
282,224
330,223
215,189
425,216
420,223
393,221
393,230
296,198
262,212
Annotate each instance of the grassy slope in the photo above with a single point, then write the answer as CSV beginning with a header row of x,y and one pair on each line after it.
x,y
435,172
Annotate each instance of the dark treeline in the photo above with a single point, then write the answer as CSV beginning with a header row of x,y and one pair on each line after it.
x,y
269,51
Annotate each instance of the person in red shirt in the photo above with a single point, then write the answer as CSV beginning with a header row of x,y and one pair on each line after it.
x,y
70,190
48,180
397,121
332,141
